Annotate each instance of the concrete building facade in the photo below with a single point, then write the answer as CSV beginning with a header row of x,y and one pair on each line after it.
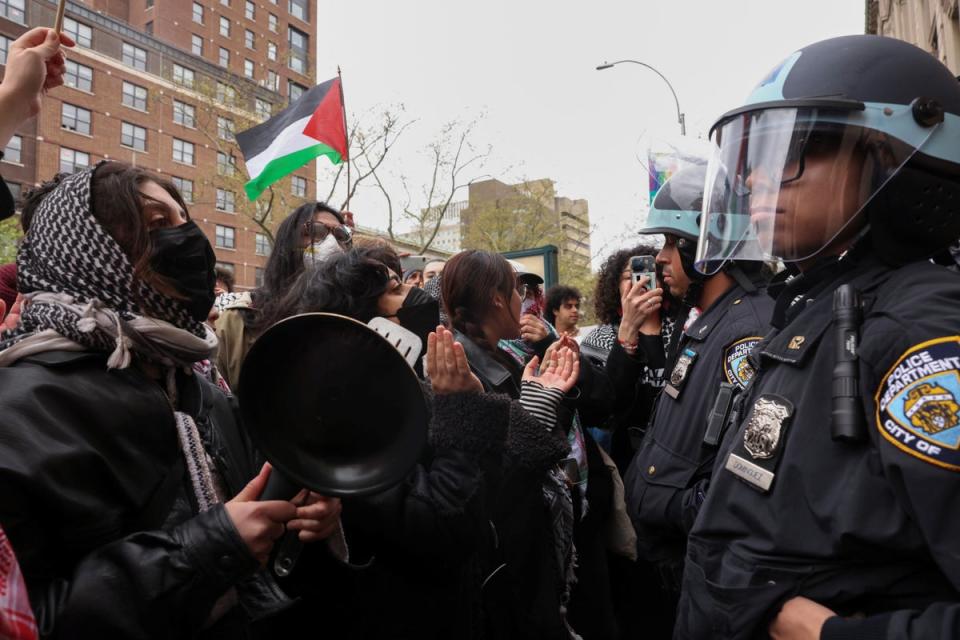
x,y
569,218
164,84
932,25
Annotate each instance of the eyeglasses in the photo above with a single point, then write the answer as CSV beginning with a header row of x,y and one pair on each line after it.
x,y
816,143
318,231
522,289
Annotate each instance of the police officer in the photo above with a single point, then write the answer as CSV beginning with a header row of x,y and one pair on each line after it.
x,y
832,512
669,475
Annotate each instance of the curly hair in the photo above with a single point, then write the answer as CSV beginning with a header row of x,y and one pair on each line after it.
x,y
556,296
606,297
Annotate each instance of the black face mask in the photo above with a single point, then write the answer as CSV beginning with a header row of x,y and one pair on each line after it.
x,y
184,256
420,314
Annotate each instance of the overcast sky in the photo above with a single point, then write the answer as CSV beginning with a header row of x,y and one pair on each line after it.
x,y
529,67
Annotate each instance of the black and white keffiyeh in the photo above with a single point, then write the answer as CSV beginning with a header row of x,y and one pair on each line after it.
x,y
79,287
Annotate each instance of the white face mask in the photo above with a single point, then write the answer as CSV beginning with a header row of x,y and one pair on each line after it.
x,y
320,251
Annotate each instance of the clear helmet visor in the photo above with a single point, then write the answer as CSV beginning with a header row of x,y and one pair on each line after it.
x,y
787,183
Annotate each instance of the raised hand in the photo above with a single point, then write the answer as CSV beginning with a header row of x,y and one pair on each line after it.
x,y
35,64
447,367
641,308
532,328
560,370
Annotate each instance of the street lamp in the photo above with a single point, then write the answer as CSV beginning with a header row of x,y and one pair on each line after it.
x,y
680,117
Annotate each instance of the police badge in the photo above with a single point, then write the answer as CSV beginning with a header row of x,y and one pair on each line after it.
x,y
763,436
678,377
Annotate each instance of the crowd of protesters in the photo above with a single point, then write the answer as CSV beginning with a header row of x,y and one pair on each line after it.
x,y
565,468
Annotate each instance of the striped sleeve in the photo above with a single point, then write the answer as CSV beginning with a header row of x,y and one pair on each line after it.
x,y
540,402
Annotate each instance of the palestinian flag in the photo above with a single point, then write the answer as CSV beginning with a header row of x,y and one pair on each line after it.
x,y
313,126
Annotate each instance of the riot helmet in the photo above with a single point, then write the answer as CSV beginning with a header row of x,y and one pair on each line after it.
x,y
676,211
849,138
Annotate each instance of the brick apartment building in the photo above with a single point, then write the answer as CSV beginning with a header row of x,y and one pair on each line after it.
x,y
164,84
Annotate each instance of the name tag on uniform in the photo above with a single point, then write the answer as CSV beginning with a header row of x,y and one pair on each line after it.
x,y
680,373
754,459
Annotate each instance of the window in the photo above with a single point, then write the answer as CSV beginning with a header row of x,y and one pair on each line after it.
x,y
248,39
226,237
4,45
261,244
295,90
226,200
226,94
225,27
185,187
298,186
182,151
134,96
149,4
13,10
78,76
75,118
299,44
272,51
182,75
225,3
263,108
249,10
133,136
224,57
14,147
134,56
225,128
81,33
272,23
258,277
248,68
273,80
226,163
72,160
198,13
196,45
298,9
185,114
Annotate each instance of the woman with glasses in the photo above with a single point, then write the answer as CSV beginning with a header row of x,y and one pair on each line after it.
x,y
313,232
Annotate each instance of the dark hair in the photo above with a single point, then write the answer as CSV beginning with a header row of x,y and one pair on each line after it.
x,y
556,296
286,260
606,297
349,284
33,197
382,252
470,281
226,277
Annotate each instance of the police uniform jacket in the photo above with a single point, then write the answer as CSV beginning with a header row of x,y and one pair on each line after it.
x,y
868,527
668,477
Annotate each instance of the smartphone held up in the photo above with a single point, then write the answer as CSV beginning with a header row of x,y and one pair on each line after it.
x,y
644,266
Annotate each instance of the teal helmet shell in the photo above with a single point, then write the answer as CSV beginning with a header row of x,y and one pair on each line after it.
x,y
677,206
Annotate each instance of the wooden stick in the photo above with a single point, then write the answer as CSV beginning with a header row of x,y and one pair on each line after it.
x,y
61,7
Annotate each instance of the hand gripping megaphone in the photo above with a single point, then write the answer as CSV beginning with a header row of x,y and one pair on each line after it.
x,y
334,405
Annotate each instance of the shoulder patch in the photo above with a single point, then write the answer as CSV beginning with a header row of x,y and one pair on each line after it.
x,y
736,367
918,402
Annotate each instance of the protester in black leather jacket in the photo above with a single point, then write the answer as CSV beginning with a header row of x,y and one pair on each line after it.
x,y
116,465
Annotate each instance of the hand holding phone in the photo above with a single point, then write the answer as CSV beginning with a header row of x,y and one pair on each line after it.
x,y
644,266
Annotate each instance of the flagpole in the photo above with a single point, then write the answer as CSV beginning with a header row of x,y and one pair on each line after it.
x,y
346,133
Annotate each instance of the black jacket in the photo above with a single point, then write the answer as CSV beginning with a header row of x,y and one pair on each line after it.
x,y
521,592
94,501
865,527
